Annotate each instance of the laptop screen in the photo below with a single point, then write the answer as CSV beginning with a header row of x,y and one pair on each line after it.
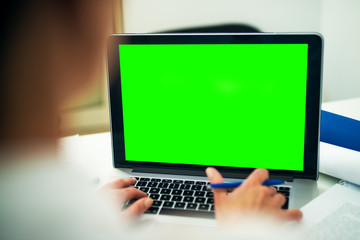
x,y
182,102
230,105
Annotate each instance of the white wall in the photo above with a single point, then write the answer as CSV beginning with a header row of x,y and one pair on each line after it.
x,y
340,26
268,15
337,20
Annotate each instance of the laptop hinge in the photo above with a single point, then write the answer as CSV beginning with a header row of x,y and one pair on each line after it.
x,y
169,171
193,172
282,177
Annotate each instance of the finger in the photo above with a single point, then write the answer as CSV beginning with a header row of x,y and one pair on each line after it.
x,y
291,215
215,177
122,183
257,177
137,208
273,191
263,195
277,201
131,193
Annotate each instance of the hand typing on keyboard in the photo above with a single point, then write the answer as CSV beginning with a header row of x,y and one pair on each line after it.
x,y
249,199
121,191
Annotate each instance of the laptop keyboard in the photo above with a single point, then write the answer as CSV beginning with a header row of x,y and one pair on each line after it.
x,y
188,198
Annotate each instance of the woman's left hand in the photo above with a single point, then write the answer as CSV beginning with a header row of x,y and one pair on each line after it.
x,y
121,191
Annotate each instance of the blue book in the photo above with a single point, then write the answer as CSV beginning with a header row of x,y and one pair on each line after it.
x,y
340,131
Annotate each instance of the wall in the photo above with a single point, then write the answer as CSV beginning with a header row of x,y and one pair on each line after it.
x,y
340,25
336,20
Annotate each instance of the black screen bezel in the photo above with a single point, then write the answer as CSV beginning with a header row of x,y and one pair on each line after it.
x,y
313,97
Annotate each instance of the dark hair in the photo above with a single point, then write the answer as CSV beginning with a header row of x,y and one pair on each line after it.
x,y
11,13
14,14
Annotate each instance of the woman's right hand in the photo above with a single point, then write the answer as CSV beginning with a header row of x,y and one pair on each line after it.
x,y
249,199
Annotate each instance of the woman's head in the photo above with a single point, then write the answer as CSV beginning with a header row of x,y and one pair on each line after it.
x,y
50,51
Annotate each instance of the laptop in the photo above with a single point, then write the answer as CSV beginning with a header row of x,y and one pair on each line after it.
x,y
180,103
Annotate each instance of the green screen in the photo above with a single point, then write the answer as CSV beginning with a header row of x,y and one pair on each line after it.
x,y
235,105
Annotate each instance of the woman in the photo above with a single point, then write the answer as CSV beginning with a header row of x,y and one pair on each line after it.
x,y
50,51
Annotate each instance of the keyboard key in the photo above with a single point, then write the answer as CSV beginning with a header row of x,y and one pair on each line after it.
x,y
144,189
165,197
152,184
284,188
204,207
154,190
189,182
185,187
168,204
191,206
163,185
200,200
176,198
176,192
206,189
157,203
188,193
199,194
200,183
212,208
145,179
186,213
141,184
286,194
166,181
196,187
210,201
179,205
188,199
152,210
137,178
155,196
174,186
165,191
178,181
155,180
209,194
286,204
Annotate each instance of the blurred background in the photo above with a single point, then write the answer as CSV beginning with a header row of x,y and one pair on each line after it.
x,y
338,21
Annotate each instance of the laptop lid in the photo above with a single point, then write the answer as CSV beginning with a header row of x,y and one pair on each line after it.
x,y
182,102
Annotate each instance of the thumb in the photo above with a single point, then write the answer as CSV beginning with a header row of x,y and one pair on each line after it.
x,y
215,177
137,208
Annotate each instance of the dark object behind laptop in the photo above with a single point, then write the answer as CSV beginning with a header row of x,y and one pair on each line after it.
x,y
222,28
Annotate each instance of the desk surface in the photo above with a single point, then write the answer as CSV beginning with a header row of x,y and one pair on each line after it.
x,y
348,107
